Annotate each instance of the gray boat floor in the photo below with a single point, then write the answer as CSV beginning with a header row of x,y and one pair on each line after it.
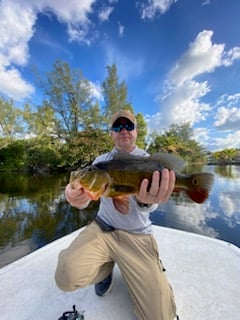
x,y
204,273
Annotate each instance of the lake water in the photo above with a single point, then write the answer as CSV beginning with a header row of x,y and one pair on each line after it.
x,y
33,211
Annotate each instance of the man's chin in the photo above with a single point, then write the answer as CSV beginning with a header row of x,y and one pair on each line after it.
x,y
126,146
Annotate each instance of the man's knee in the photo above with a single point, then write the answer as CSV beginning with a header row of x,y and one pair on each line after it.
x,y
69,280
70,276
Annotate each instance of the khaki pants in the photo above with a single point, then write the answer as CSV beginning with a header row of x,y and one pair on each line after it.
x,y
91,257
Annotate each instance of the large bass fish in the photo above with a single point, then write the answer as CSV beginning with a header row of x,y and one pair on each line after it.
x,y
122,176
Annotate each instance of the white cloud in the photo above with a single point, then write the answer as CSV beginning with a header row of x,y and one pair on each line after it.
x,y
17,21
229,100
206,2
230,204
82,34
155,6
231,140
181,99
201,135
15,32
104,13
228,112
71,11
183,103
75,14
193,216
202,56
96,91
121,29
228,118
230,56
12,84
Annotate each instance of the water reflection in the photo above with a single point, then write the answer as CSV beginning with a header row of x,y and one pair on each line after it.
x,y
218,217
33,211
189,217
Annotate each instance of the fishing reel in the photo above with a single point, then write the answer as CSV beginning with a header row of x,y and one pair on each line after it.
x,y
72,315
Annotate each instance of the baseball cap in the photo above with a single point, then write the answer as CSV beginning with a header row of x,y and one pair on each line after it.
x,y
124,114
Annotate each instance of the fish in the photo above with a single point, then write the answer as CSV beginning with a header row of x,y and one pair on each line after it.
x,y
121,177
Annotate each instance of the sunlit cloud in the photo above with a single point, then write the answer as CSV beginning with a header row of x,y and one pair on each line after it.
x,y
82,34
12,84
229,202
15,33
228,112
96,91
227,118
195,218
201,135
16,30
181,98
202,57
153,7
71,11
230,140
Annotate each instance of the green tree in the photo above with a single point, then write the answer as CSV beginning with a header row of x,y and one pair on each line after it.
x,y
179,140
225,155
70,96
115,97
10,119
142,131
12,155
115,93
43,154
42,122
85,146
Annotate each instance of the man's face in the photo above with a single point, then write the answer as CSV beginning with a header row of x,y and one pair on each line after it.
x,y
124,140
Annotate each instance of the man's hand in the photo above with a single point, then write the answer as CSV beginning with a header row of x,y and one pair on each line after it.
x,y
160,190
77,196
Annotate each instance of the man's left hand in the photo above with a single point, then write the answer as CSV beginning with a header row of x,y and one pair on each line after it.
x,y
160,190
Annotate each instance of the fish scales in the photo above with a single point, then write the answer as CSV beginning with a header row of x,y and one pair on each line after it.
x,y
122,176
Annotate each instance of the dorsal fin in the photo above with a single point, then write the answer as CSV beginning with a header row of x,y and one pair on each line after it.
x,y
155,161
168,160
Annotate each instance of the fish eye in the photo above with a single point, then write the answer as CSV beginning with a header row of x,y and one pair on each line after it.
x,y
194,181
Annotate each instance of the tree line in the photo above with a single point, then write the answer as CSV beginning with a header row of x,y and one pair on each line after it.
x,y
70,127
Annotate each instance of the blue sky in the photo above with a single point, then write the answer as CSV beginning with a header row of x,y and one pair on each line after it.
x,y
180,59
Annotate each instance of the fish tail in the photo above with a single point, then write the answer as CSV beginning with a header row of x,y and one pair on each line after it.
x,y
201,185
197,186
198,196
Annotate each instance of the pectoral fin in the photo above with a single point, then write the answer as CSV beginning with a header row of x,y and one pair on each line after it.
x,y
121,204
94,195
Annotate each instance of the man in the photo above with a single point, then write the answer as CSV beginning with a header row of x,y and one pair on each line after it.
x,y
125,239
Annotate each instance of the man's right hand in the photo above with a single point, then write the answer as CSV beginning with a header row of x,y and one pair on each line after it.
x,y
77,196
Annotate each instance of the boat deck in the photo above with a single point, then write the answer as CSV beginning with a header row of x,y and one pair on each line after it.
x,y
204,273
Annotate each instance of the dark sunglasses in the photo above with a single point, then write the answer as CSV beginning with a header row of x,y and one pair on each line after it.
x,y
128,126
